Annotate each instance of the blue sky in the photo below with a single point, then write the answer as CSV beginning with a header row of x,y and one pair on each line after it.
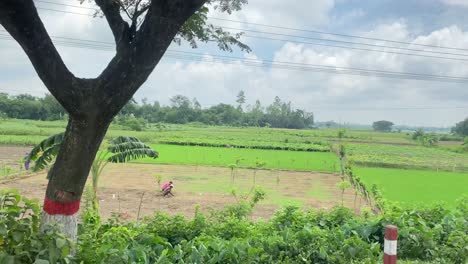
x,y
343,98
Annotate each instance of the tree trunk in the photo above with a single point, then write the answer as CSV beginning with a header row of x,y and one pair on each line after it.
x,y
70,171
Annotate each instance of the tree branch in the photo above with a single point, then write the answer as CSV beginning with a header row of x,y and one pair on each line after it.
x,y
138,13
130,69
21,20
119,27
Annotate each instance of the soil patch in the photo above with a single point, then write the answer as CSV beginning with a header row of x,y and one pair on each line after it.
x,y
124,187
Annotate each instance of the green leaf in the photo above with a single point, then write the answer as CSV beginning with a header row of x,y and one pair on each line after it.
x,y
45,151
122,139
41,261
65,251
133,154
3,229
18,236
60,242
121,147
9,260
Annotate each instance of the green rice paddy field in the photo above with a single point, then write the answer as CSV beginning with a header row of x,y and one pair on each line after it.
x,y
416,186
404,170
272,159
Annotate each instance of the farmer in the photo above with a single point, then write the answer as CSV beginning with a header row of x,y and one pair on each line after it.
x,y
167,189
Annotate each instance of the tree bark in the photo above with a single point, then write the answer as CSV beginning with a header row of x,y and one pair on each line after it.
x,y
70,171
91,103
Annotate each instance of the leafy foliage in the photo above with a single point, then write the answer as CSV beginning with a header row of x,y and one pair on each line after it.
x,y
135,116
461,128
195,28
382,126
427,140
25,106
122,149
131,122
338,236
125,149
45,152
20,241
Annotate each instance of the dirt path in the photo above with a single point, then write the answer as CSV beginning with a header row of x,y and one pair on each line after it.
x,y
122,186
11,155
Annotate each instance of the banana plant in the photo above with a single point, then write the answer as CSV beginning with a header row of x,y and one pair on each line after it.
x,y
120,150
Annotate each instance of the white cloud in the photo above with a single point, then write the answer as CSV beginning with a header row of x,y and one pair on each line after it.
x,y
462,3
322,93
298,13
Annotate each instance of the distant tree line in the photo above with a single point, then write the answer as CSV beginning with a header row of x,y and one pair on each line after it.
x,y
181,110
461,128
26,106
382,126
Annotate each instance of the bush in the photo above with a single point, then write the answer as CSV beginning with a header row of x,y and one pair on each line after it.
x,y
21,241
433,234
131,122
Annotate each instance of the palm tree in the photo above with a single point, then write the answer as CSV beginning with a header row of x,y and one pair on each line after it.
x,y
120,150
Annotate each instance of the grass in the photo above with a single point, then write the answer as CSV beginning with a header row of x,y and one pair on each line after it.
x,y
274,159
6,170
242,186
407,157
416,186
187,134
416,174
318,191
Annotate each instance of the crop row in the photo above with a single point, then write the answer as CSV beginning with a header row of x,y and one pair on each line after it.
x,y
407,157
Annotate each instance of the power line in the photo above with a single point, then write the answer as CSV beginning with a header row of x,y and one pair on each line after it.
x,y
330,40
303,42
61,11
194,56
355,48
61,4
343,41
337,34
327,69
275,27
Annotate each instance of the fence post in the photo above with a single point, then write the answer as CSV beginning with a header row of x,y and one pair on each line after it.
x,y
390,244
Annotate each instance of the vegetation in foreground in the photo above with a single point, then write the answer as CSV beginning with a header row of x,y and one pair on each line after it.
x,y
292,236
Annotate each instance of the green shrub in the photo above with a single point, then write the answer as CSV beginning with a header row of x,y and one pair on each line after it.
x,y
432,234
20,241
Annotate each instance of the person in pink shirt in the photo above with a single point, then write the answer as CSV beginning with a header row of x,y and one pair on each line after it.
x,y
167,189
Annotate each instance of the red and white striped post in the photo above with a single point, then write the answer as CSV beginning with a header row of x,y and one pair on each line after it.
x,y
390,244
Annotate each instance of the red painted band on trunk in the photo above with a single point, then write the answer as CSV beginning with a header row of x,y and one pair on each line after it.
x,y
56,208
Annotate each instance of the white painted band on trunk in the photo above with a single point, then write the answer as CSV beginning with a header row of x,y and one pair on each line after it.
x,y
390,247
66,224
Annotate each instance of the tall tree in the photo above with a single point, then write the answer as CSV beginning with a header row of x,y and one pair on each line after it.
x,y
382,126
256,114
240,100
461,128
141,39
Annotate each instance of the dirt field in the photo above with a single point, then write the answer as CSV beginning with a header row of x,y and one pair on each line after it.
x,y
11,155
122,186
